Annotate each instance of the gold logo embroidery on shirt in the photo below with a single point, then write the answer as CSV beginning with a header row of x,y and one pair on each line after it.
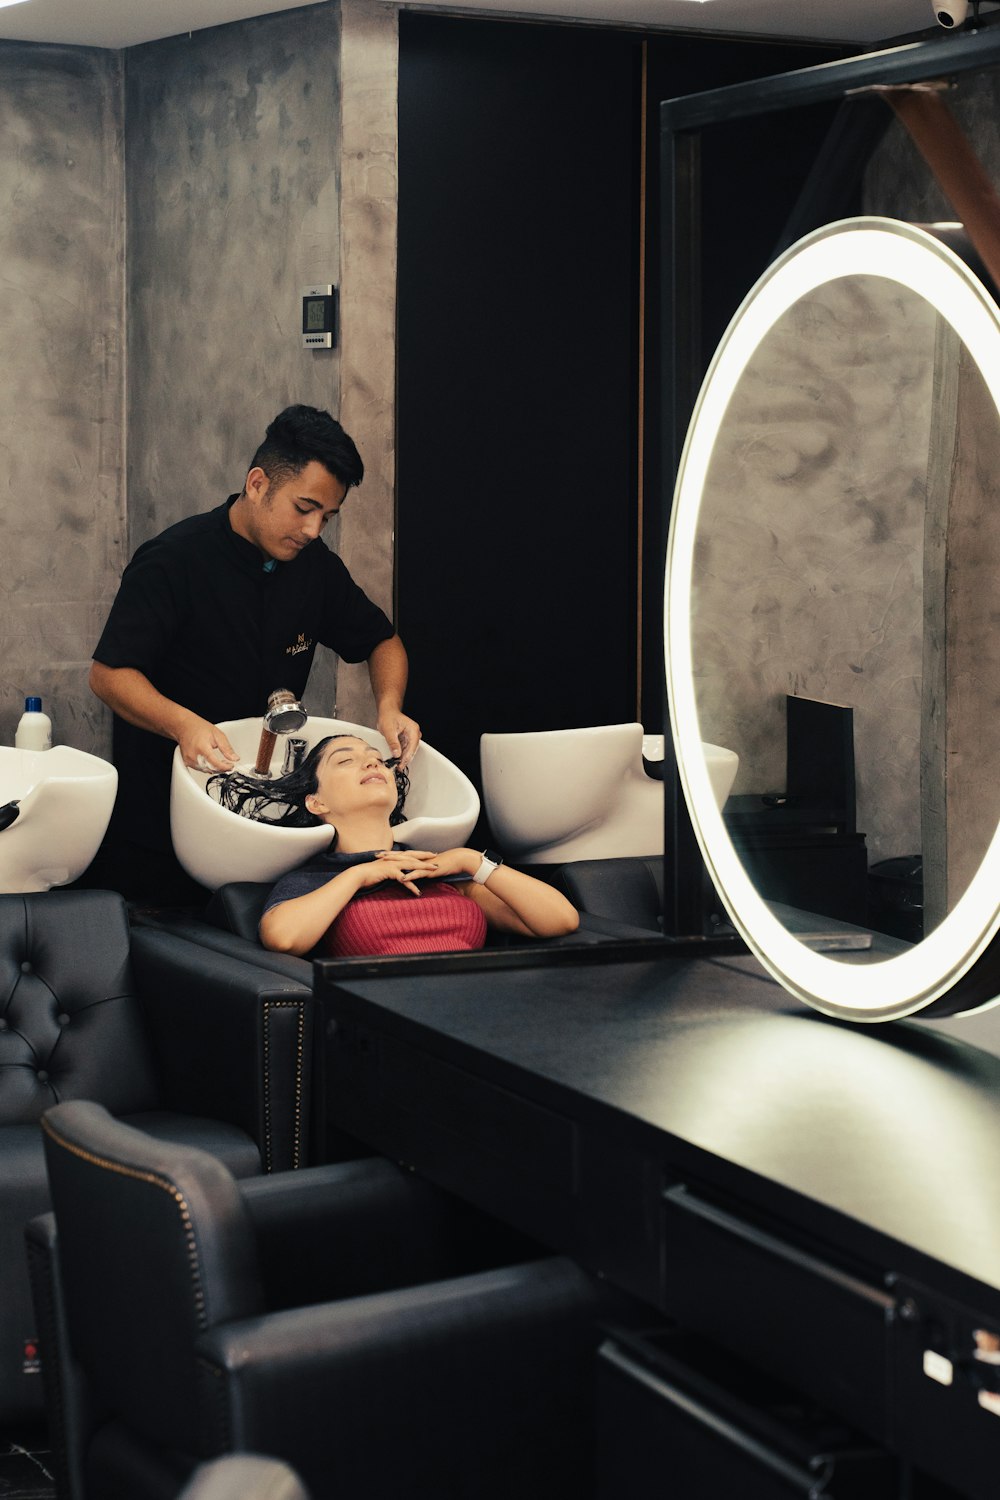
x,y
300,645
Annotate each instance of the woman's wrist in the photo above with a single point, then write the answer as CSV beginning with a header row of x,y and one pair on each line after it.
x,y
352,880
479,859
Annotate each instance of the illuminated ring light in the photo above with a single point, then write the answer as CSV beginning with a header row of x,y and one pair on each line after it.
x,y
955,968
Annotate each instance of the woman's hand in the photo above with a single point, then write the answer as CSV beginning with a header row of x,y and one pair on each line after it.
x,y
405,865
439,866
510,900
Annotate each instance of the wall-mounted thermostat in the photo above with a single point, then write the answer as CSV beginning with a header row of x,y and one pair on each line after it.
x,y
318,316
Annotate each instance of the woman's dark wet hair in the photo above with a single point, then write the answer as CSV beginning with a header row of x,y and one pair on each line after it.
x,y
283,800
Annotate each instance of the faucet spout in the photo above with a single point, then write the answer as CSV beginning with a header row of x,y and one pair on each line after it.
x,y
283,715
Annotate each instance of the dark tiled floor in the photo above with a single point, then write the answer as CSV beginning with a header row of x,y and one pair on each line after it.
x,y
25,1471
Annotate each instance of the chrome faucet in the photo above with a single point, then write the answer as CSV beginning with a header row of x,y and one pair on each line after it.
x,y
283,715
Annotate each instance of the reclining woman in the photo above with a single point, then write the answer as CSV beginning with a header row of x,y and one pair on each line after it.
x,y
358,896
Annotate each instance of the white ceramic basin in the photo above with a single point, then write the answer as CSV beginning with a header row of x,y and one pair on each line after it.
x,y
217,846
565,794
64,799
722,767
722,764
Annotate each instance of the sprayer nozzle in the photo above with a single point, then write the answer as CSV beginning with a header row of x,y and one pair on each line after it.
x,y
283,715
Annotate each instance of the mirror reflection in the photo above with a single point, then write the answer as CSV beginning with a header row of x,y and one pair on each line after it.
x,y
844,613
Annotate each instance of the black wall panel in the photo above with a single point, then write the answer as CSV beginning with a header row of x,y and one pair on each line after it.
x,y
518,365
517,377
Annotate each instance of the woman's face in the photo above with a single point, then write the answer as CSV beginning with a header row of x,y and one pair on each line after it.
x,y
352,776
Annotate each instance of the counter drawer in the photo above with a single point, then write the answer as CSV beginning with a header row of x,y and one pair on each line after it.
x,y
678,1419
821,1327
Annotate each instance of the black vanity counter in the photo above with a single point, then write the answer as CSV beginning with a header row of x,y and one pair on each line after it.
x,y
709,1064
821,1197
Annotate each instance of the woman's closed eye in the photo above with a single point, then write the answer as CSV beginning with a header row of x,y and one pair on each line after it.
x,y
348,759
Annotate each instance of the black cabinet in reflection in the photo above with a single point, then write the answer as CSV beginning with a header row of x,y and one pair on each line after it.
x,y
801,846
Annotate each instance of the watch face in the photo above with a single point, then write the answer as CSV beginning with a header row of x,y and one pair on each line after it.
x,y
493,857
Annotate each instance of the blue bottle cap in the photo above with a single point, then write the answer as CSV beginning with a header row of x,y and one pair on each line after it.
x,y
32,705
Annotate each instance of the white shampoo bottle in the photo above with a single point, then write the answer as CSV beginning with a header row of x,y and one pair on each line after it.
x,y
34,730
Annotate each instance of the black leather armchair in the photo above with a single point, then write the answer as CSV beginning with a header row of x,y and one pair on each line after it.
x,y
477,1383
186,1045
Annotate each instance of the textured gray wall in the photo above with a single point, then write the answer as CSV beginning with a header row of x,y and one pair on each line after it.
x,y
233,141
961,752
813,569
232,157
370,73
810,569
60,380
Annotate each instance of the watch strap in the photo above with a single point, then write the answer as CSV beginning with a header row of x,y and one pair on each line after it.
x,y
491,861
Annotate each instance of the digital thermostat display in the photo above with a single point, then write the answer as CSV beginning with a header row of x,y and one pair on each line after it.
x,y
318,317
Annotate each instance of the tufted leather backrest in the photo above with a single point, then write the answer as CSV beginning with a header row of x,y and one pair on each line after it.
x,y
70,1026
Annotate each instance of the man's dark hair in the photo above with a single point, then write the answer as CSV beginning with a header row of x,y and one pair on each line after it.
x,y
303,434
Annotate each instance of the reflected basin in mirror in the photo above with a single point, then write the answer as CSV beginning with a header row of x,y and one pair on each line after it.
x,y
827,543
722,764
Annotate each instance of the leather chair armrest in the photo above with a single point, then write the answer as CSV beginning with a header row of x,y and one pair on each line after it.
x,y
352,1228
594,929
231,1040
230,944
485,1381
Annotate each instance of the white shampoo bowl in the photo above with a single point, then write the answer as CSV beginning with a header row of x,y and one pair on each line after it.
x,y
565,794
722,764
217,846
64,799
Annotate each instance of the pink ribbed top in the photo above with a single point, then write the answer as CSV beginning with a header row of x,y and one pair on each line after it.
x,y
392,920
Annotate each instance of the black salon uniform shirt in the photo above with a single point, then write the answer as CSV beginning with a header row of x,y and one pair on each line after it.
x,y
200,616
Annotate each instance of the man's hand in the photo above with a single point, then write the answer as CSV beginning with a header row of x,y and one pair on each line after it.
x,y
133,697
387,668
205,747
401,734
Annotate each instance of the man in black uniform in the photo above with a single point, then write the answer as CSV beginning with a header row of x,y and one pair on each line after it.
x,y
212,616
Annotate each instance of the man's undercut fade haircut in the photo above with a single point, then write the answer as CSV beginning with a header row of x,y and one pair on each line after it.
x,y
303,434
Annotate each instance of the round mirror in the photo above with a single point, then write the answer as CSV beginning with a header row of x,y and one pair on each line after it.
x,y
831,616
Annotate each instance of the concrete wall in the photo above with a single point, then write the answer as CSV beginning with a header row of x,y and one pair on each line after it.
x,y
810,569
232,162
815,575
62,504
959,781
240,166
369,155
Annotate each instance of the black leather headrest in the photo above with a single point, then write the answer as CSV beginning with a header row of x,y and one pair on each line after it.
x,y
623,890
238,907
